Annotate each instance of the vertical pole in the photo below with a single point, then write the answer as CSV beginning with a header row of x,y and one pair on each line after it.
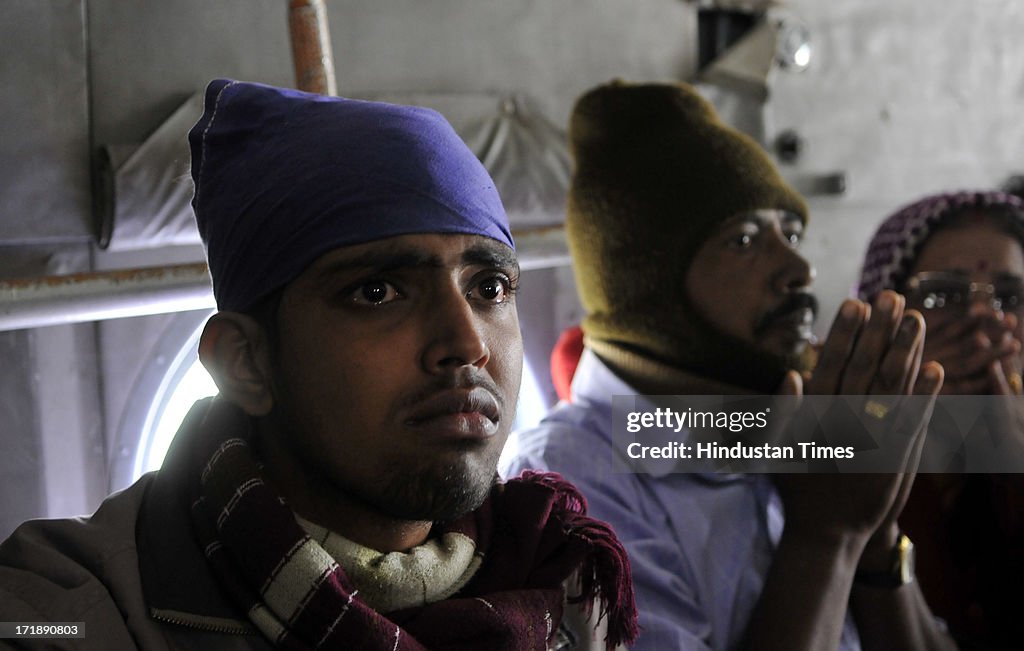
x,y
311,47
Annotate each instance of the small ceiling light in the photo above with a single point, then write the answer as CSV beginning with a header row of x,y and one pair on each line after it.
x,y
777,40
793,44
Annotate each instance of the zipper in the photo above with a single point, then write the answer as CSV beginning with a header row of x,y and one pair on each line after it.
x,y
199,622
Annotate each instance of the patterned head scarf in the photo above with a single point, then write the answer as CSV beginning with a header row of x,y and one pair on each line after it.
x,y
897,243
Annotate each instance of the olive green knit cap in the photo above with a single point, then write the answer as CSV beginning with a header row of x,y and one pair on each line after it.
x,y
656,172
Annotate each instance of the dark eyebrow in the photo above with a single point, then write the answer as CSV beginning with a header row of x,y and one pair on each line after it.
x,y
786,218
1005,277
957,271
491,255
745,218
789,218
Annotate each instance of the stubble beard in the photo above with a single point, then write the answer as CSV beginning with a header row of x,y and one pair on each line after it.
x,y
406,487
434,491
427,489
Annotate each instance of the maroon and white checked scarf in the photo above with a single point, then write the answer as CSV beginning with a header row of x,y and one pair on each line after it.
x,y
898,241
533,531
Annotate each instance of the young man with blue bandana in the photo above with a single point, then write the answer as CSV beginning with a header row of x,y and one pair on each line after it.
x,y
340,492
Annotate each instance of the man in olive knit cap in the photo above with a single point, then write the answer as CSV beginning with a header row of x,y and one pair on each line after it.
x,y
684,241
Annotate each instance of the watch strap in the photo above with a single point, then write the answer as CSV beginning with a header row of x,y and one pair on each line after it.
x,y
900,572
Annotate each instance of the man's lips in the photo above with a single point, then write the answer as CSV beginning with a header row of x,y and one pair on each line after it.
x,y
793,328
797,319
796,314
458,413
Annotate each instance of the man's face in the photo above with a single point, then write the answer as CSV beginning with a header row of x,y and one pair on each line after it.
x,y
749,281
398,368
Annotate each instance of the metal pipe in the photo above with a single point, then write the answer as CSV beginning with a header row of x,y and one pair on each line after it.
x,y
311,47
96,296
55,300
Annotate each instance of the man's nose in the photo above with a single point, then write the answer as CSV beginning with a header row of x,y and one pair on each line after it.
x,y
794,272
454,335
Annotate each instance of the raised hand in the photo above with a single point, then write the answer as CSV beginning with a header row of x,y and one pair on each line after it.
x,y
970,347
875,353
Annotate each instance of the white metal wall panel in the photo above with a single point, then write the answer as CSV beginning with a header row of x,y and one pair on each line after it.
x,y
44,122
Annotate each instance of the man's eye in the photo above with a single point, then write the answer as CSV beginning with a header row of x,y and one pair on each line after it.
x,y
494,290
375,293
794,239
742,241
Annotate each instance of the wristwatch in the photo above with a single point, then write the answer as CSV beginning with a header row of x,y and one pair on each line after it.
x,y
901,568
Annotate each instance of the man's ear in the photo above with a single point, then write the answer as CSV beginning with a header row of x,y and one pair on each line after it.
x,y
235,351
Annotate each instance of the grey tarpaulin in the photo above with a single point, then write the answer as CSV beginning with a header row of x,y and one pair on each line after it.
x,y
152,189
528,158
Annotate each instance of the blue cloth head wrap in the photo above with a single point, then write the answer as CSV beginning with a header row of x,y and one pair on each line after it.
x,y
282,177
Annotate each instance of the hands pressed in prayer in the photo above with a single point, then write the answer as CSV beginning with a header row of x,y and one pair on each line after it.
x,y
875,353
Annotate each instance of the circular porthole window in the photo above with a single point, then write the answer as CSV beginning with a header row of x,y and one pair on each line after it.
x,y
168,413
167,385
